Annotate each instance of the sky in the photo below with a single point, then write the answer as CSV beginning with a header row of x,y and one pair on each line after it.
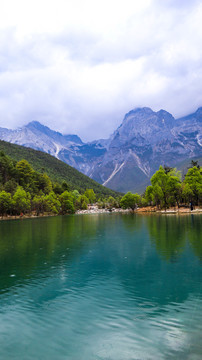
x,y
78,66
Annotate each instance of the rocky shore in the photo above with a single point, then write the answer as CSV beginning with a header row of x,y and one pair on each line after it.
x,y
93,209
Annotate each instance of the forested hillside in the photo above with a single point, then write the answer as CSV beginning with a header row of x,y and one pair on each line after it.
x,y
24,190
54,168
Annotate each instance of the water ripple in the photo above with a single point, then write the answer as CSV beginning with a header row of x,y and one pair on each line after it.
x,y
112,296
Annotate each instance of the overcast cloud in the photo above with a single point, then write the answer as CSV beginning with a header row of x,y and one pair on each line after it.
x,y
79,66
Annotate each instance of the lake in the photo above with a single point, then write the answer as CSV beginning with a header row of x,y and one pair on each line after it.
x,y
103,286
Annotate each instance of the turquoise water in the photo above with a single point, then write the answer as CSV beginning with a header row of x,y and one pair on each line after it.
x,y
115,286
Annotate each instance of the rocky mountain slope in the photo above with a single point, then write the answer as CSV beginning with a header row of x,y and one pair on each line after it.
x,y
68,148
144,140
126,160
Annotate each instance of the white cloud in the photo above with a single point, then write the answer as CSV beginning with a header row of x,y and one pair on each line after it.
x,y
79,66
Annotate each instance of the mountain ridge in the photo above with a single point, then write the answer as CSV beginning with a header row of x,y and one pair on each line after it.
x,y
144,140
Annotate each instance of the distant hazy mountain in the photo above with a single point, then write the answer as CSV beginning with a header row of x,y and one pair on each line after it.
x,y
68,148
126,160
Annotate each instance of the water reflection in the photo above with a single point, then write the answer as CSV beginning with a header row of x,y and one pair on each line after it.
x,y
32,245
170,234
119,242
124,286
194,233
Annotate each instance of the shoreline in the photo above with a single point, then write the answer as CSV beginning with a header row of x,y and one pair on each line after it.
x,y
27,216
140,211
95,210
144,210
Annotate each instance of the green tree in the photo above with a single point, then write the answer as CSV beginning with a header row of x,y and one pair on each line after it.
x,y
144,202
5,203
194,179
53,205
111,202
67,205
187,193
65,186
24,170
57,188
174,187
130,201
25,175
43,183
82,202
39,204
102,203
10,186
6,168
157,195
160,185
21,200
75,195
149,194
89,193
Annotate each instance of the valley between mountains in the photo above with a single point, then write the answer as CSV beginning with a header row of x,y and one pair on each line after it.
x,y
127,160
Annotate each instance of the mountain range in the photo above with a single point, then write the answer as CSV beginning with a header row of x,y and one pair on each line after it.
x,y
127,160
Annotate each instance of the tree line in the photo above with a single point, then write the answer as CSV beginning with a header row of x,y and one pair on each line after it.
x,y
24,190
168,190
